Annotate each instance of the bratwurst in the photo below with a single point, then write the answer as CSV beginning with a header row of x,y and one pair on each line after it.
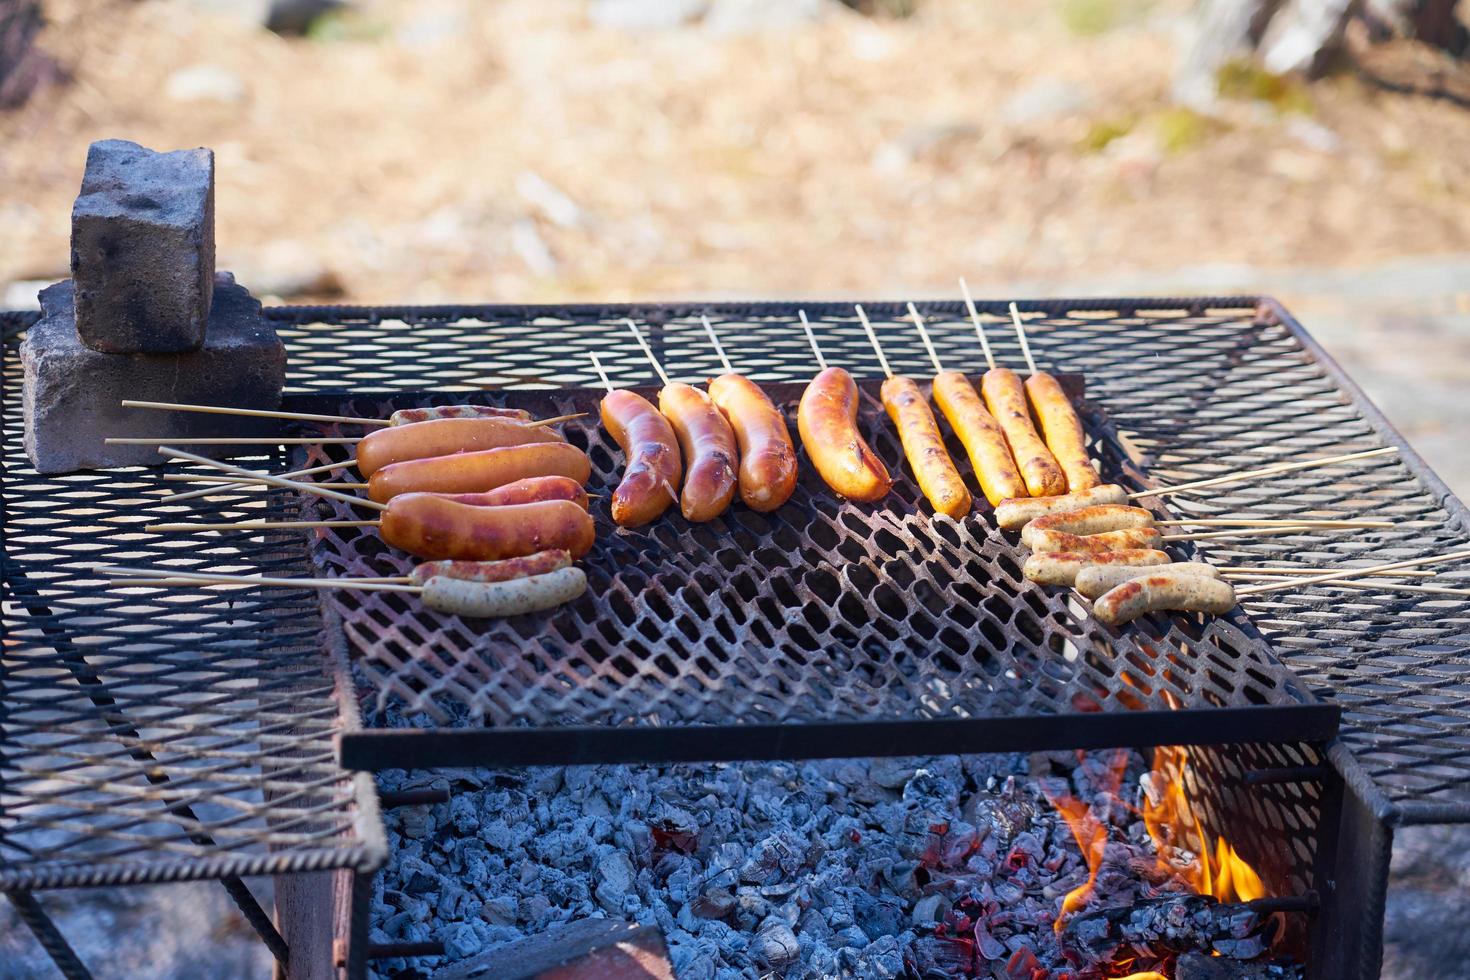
x,y
1095,580
1063,567
1012,515
430,526
982,436
654,467
710,453
767,457
1134,537
480,471
460,597
827,421
924,446
1160,593
1097,519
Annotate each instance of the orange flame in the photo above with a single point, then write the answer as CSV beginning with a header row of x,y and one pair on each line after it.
x,y
1172,824
1091,835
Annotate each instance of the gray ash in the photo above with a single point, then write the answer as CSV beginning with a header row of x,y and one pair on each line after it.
x,y
949,867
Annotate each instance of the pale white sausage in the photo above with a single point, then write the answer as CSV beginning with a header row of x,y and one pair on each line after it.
x,y
1133,537
1013,514
1097,519
1158,593
1094,580
460,597
1062,567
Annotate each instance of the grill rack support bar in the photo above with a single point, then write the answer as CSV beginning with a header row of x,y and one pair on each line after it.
x,y
50,938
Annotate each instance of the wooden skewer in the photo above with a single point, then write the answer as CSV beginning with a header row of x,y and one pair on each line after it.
x,y
601,372
1276,572
147,577
1025,344
1269,522
242,441
273,480
294,416
812,339
924,336
219,491
638,336
979,328
1247,532
714,338
253,526
873,339
1265,471
1369,586
249,480
253,413
1348,574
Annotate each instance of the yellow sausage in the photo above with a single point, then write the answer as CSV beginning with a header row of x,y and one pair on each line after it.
x,y
924,447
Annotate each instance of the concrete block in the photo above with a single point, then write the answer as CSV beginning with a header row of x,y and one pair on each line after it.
x,y
72,392
142,248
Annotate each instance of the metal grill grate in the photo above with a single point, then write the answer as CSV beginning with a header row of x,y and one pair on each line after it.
x,y
156,735
1199,386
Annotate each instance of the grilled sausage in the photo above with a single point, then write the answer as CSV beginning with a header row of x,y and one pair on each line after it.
x,y
709,450
430,526
1063,567
1159,593
444,437
1133,537
459,597
653,469
983,438
924,446
407,416
527,491
1012,515
1063,431
492,571
479,472
1097,519
1094,580
767,457
1007,400
827,421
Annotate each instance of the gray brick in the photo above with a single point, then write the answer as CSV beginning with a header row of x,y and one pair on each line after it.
x,y
72,392
142,248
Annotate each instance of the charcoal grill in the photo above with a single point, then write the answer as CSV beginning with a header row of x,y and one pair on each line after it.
x,y
1177,389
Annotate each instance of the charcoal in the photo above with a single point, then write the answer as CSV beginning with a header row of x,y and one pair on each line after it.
x,y
142,249
774,946
1176,922
1201,966
876,917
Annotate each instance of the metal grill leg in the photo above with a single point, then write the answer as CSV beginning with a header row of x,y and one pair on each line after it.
x,y
49,936
360,903
259,921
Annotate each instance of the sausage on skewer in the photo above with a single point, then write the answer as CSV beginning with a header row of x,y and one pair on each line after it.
x,y
1161,593
432,527
1090,520
503,570
654,468
1136,537
528,491
515,597
1059,421
479,472
1012,515
1063,567
923,446
1095,580
767,457
826,417
408,416
444,437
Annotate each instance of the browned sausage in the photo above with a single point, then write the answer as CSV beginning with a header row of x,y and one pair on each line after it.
x,y
479,472
983,438
653,469
1007,400
827,421
767,457
1013,514
709,449
407,416
924,447
1096,519
429,526
527,491
492,571
1063,567
1158,593
444,437
1063,431
1095,580
1136,537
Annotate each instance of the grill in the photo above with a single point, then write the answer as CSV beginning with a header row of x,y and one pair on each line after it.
x,y
158,736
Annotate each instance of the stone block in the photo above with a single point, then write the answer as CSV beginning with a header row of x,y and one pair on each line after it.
x,y
142,249
73,393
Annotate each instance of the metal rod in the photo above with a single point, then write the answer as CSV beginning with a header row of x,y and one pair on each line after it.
x,y
873,338
388,951
1286,774
258,918
48,936
413,797
1308,903
979,328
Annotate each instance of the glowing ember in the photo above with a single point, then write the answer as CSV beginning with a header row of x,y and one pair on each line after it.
x,y
1090,833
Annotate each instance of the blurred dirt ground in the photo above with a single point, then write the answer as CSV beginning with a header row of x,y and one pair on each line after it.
x,y
516,151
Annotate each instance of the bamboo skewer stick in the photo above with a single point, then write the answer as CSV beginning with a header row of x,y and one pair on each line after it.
x,y
253,413
1246,532
147,577
273,480
924,336
1265,471
873,339
714,338
241,441
601,372
1272,522
293,416
812,339
254,526
979,328
1349,574
648,351
1025,344
1369,586
244,481
220,491
1297,572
